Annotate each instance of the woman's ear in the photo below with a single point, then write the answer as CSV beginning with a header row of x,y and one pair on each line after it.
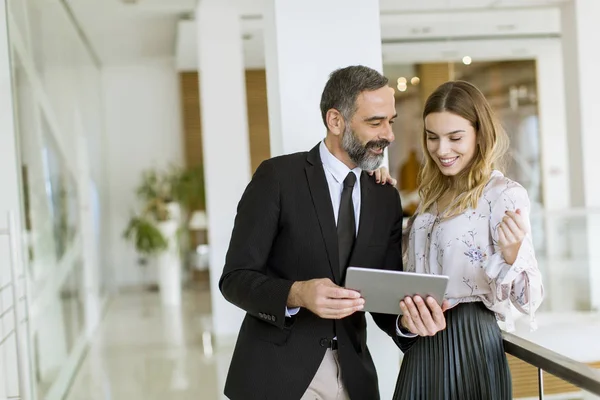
x,y
335,122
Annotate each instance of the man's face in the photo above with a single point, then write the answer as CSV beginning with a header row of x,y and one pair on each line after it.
x,y
370,129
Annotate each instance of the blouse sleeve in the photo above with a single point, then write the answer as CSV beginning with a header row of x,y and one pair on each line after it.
x,y
520,282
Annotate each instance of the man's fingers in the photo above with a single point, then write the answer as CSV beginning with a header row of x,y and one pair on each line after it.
x,y
329,313
340,293
341,304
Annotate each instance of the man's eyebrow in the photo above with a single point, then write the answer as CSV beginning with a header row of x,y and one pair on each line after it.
x,y
378,118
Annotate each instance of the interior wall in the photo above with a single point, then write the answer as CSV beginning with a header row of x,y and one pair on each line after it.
x,y
144,130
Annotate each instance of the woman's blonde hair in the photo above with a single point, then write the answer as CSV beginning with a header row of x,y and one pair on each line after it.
x,y
465,100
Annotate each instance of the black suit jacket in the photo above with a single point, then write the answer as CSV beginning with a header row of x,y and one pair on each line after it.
x,y
285,232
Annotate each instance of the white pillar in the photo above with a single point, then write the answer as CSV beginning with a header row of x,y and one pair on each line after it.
x,y
225,140
555,177
582,83
304,42
553,128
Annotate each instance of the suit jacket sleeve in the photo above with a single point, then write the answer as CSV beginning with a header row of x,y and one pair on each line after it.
x,y
246,281
393,260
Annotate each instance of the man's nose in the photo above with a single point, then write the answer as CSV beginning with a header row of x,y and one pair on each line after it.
x,y
388,134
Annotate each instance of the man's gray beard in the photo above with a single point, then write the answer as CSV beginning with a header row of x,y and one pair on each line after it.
x,y
358,152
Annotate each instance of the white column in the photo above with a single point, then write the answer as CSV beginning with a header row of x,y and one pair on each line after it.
x,y
553,128
555,176
225,140
304,42
582,83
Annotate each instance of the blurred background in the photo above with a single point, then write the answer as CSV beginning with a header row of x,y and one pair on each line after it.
x,y
130,128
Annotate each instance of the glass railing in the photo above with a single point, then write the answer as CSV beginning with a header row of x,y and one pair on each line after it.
x,y
561,358
582,380
567,244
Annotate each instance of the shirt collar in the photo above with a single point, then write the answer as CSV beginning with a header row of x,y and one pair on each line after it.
x,y
338,169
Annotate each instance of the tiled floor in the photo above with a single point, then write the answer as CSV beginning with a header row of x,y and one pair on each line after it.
x,y
143,351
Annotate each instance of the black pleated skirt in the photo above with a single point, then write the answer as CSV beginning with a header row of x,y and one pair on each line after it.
x,y
466,361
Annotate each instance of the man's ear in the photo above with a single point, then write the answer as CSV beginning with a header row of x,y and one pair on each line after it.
x,y
335,122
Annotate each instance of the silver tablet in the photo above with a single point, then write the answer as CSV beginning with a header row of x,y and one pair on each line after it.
x,y
383,289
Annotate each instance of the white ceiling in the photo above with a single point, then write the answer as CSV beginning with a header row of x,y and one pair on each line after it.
x,y
128,31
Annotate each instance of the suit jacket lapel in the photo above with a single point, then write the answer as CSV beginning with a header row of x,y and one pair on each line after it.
x,y
319,191
367,208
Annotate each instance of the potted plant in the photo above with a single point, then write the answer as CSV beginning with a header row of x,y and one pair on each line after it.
x,y
166,197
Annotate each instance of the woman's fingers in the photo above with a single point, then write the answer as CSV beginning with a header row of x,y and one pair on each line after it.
x,y
508,235
520,220
501,238
378,175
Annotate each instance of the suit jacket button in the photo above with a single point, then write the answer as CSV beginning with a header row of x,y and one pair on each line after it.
x,y
261,315
273,318
324,342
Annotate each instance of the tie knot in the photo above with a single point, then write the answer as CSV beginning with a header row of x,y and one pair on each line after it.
x,y
350,180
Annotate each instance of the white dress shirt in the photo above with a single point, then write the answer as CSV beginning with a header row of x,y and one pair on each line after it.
x,y
335,173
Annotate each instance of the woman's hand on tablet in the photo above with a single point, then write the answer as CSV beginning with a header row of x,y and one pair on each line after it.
x,y
423,318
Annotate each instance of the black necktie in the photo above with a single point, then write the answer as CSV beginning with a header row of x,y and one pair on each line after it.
x,y
346,227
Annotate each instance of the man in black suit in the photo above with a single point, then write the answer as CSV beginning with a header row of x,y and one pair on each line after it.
x,y
302,220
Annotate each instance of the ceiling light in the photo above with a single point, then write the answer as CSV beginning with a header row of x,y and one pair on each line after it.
x,y
415,80
467,60
402,81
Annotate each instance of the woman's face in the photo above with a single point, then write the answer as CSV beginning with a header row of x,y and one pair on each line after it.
x,y
451,141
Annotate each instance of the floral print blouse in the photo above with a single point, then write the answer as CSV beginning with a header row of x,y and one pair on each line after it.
x,y
465,248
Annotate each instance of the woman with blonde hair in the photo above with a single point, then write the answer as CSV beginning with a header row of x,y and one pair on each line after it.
x,y
472,225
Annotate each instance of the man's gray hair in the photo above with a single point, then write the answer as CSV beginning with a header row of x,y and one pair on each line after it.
x,y
344,86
